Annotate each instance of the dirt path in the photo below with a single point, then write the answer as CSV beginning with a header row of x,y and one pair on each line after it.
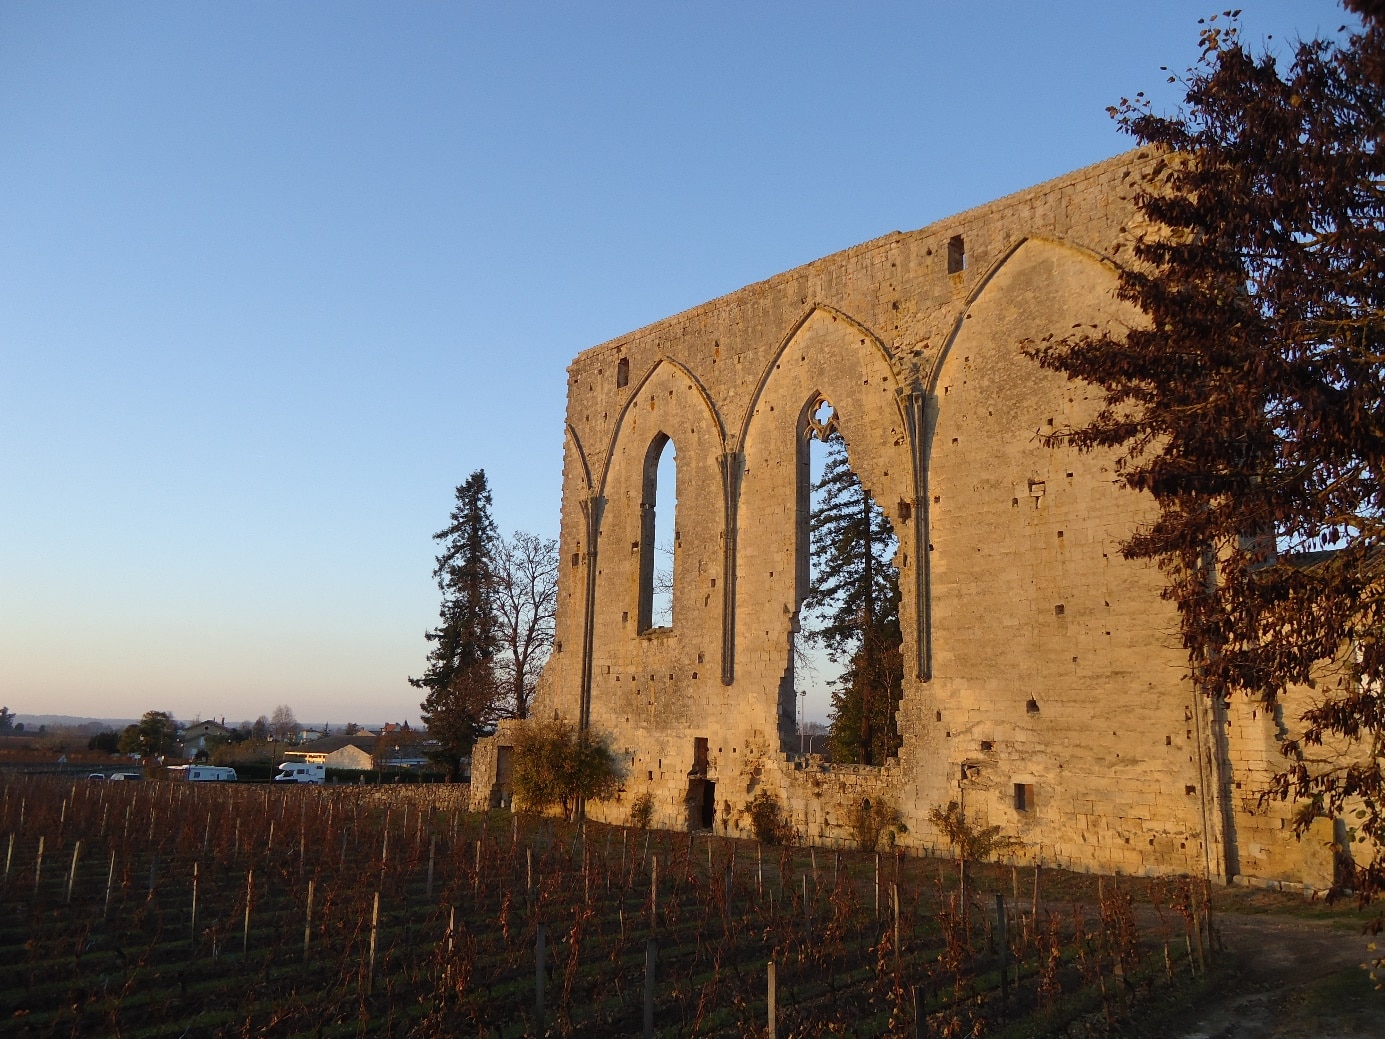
x,y
1292,978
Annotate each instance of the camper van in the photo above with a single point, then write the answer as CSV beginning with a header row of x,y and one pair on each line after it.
x,y
203,773
301,772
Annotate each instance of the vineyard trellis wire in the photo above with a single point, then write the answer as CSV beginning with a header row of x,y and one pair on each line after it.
x,y
202,909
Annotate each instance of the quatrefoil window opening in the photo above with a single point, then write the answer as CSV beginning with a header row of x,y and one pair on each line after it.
x,y
822,420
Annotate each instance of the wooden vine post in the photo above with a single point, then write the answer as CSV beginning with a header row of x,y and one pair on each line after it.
x,y
432,852
374,936
72,872
308,919
540,941
770,1030
653,894
1003,942
651,953
110,879
245,932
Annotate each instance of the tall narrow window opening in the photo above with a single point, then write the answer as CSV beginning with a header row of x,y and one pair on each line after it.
x,y
1024,797
847,635
956,255
622,372
658,534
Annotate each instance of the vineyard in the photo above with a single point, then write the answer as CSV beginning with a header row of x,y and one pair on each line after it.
x,y
199,910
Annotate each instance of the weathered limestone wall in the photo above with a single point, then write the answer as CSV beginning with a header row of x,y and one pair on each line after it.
x,y
1035,655
1261,828
490,768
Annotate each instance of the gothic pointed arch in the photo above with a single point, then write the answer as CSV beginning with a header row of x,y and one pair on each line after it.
x,y
801,331
658,503
826,356
983,285
661,371
1027,535
667,408
575,442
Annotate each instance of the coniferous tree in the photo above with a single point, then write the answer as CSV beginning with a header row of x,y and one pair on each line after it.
x,y
855,593
462,690
1251,403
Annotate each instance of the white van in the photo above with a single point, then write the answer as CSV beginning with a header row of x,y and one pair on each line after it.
x,y
203,773
301,772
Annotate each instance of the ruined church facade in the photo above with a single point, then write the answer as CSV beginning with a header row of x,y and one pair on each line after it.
x,y
1045,688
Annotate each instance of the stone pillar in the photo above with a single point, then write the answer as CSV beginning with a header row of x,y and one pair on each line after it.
x,y
592,508
732,470
914,405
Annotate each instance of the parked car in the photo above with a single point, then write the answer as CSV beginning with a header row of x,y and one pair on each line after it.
x,y
117,776
97,775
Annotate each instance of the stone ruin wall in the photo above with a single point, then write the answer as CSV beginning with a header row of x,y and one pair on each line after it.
x,y
1035,655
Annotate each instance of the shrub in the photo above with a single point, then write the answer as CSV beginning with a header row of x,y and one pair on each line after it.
x,y
871,821
642,811
555,764
971,844
767,820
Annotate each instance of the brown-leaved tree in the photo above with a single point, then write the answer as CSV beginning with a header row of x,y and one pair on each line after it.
x,y
1251,402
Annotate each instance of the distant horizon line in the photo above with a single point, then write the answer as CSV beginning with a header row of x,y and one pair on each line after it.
x,y
72,719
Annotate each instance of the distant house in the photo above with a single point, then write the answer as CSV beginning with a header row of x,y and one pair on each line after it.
x,y
197,737
207,730
406,755
338,752
310,735
402,747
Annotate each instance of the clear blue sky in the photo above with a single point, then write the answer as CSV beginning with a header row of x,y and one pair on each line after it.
x,y
274,277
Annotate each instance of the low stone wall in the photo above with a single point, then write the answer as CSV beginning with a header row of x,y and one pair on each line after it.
x,y
818,799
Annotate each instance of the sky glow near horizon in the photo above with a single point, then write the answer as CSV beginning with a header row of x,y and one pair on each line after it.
x,y
274,278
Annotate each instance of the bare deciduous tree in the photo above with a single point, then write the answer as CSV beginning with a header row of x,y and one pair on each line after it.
x,y
662,589
525,592
282,722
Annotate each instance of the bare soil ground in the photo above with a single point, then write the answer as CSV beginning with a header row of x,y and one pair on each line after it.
x,y
1290,970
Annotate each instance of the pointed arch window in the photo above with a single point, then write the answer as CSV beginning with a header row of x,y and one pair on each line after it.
x,y
658,543
848,592
818,425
